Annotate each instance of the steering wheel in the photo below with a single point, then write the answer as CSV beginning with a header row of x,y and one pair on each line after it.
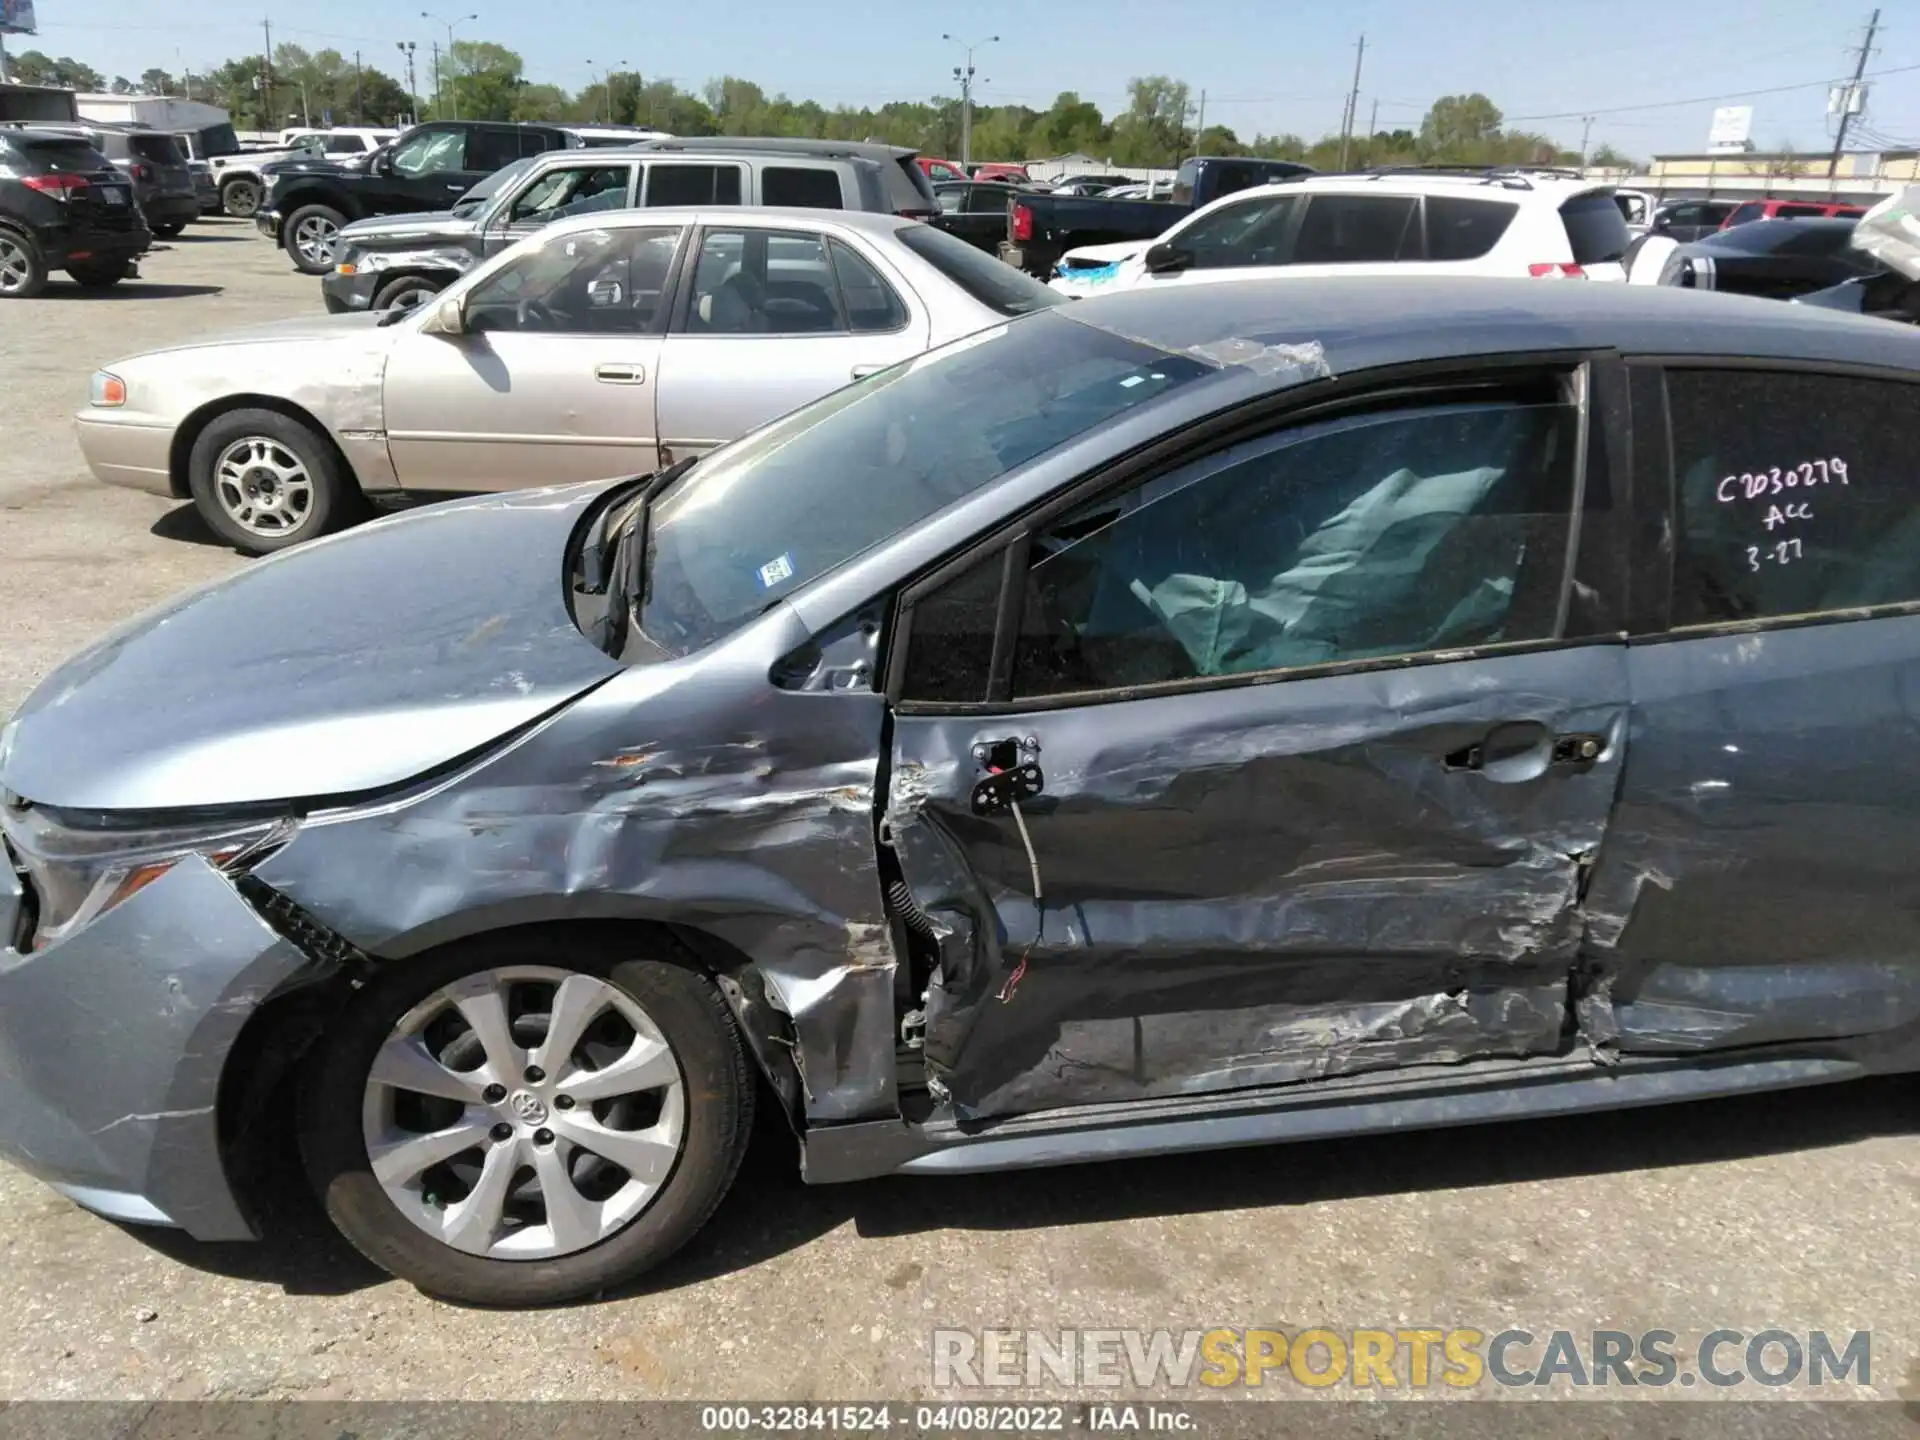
x,y
531,314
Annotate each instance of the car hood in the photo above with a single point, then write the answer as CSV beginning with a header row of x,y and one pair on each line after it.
x,y
362,330
397,231
337,668
1104,254
314,165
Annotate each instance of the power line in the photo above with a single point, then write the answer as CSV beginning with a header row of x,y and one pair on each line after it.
x,y
1700,99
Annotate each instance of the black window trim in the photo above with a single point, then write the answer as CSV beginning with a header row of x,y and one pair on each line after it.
x,y
1325,400
1662,437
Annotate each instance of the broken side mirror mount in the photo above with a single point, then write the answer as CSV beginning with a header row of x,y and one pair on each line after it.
x,y
1013,774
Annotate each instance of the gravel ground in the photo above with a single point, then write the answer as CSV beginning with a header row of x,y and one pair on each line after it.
x,y
1799,1211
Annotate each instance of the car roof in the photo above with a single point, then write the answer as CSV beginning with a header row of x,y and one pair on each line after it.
x,y
1506,183
760,217
1363,323
864,149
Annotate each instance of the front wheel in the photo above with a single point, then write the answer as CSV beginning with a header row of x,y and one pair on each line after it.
x,y
240,198
524,1119
169,231
311,233
264,481
406,292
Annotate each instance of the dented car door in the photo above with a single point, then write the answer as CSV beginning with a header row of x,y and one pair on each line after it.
x,y
1277,765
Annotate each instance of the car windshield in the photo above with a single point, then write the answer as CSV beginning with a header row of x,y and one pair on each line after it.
x,y
475,200
762,517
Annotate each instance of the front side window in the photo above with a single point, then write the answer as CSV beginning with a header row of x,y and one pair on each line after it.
x,y
770,512
1379,535
573,190
952,199
346,144
809,188
589,282
1798,494
693,184
436,152
1359,229
1253,232
1752,210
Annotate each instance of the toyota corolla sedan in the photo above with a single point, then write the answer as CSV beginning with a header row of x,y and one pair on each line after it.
x,y
601,346
1163,722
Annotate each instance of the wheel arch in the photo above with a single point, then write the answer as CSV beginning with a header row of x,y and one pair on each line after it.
x,y
187,432
299,199
272,1048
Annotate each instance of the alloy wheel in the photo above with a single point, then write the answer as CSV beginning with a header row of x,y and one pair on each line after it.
x,y
263,486
524,1113
16,267
241,198
314,238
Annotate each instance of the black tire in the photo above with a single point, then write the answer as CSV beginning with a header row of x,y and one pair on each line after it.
x,y
23,269
100,274
334,499
321,216
394,291
240,197
169,230
691,1014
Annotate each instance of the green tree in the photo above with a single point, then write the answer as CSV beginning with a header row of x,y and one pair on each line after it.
x,y
33,68
1460,129
1608,158
1070,124
1218,140
1153,131
479,80
158,82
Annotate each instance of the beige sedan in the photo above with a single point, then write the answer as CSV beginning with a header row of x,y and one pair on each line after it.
x,y
603,346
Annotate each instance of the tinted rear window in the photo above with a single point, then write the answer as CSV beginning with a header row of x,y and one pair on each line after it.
x,y
64,156
1595,229
159,149
999,287
219,140
810,188
1459,229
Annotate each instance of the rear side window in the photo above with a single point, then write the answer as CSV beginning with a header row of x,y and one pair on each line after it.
x,y
693,184
1743,213
872,306
64,156
1361,229
810,188
1596,230
1800,212
998,287
1459,229
1797,494
488,150
346,144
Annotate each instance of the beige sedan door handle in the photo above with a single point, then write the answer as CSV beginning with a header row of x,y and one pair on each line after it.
x,y
621,374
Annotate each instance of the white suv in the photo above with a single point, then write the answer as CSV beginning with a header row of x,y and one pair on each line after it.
x,y
1542,223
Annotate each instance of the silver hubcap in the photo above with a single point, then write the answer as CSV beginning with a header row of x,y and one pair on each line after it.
x,y
263,486
313,237
524,1113
15,268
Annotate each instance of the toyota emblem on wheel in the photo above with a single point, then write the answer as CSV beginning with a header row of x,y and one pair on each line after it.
x,y
529,1107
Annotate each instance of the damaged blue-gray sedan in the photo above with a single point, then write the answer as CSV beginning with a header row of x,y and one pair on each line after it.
x,y
1166,722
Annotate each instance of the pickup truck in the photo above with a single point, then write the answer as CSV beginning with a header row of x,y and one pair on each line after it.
x,y
306,201
1041,228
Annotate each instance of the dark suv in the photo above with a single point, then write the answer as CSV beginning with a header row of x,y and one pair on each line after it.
x,y
306,201
63,206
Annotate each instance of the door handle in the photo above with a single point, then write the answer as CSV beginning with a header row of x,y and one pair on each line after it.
x,y
1523,750
458,187
620,374
861,372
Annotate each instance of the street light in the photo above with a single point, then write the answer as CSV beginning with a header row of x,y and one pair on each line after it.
x,y
609,84
965,76
453,81
406,48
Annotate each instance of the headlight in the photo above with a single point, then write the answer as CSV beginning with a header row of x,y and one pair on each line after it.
x,y
81,871
107,390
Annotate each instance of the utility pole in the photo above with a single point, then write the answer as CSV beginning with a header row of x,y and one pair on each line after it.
x,y
964,74
1199,126
436,79
1353,103
406,48
1850,97
1586,129
359,113
266,75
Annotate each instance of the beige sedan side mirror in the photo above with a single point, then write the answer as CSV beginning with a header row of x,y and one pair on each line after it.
x,y
449,317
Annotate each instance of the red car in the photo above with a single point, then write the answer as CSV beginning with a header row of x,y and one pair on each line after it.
x,y
1017,174
941,169
1788,210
